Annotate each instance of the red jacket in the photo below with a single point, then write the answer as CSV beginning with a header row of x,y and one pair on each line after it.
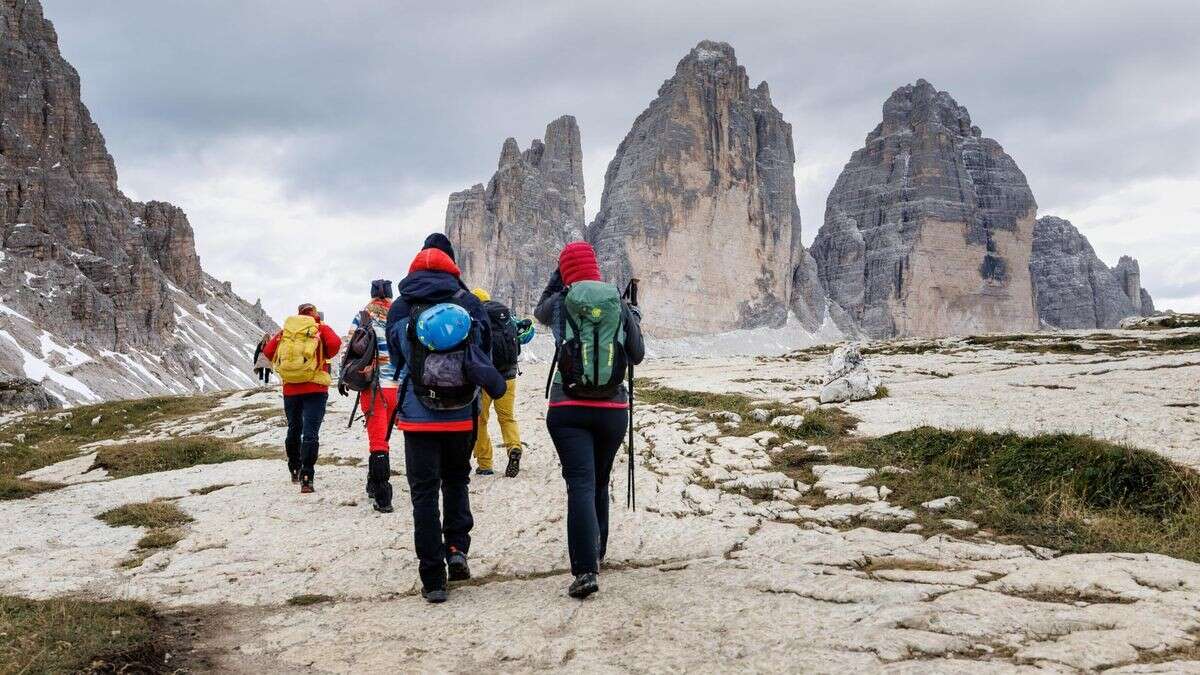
x,y
330,344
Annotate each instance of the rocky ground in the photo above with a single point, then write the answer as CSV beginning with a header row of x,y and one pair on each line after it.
x,y
728,563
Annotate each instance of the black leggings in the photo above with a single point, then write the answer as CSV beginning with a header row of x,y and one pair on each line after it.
x,y
587,440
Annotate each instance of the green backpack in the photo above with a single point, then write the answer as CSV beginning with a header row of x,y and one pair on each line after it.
x,y
591,358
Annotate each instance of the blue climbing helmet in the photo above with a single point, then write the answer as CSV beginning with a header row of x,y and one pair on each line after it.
x,y
443,327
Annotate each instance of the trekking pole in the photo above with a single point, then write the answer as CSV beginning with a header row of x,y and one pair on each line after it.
x,y
630,496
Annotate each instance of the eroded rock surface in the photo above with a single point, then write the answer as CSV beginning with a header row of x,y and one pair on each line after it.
x,y
929,227
97,290
508,235
774,556
1075,289
700,203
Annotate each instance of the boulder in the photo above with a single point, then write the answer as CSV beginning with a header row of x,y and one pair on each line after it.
x,y
848,377
23,394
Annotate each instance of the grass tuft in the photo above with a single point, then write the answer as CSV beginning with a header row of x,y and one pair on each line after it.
x,y
146,514
1067,492
135,459
307,599
37,440
70,635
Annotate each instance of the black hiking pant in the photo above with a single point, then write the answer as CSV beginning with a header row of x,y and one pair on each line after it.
x,y
304,413
587,440
439,462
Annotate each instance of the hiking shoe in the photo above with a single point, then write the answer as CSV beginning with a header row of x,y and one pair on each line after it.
x,y
456,565
295,475
484,472
434,595
382,508
583,586
514,463
306,486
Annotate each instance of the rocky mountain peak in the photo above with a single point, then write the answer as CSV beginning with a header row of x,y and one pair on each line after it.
x,y
928,229
705,176
1074,288
101,296
508,234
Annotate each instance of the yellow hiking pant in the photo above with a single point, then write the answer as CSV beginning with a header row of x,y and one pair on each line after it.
x,y
508,425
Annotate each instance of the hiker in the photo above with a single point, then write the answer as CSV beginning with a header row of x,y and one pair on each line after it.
x,y
367,369
596,336
262,364
438,338
300,354
508,334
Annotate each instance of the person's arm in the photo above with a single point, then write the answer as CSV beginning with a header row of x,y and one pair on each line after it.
x,y
480,371
394,330
330,341
272,345
544,312
635,346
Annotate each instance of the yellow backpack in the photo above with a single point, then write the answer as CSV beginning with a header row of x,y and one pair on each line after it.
x,y
299,358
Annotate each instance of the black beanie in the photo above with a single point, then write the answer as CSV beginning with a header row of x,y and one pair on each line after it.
x,y
441,242
382,289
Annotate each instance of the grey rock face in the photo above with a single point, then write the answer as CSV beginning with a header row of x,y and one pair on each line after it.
x,y
23,394
1129,275
80,263
507,236
1075,289
699,203
929,227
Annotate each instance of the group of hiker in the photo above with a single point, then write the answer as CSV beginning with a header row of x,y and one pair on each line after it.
x,y
433,362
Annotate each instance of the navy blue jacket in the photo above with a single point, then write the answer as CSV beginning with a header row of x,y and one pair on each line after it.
x,y
428,287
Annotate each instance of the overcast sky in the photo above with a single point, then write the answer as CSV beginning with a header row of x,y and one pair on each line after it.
x,y
313,143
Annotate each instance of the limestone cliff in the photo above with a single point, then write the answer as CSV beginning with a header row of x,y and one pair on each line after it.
x,y
101,296
699,203
507,236
929,227
1075,289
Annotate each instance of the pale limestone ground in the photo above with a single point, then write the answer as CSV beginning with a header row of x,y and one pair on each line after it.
x,y
698,578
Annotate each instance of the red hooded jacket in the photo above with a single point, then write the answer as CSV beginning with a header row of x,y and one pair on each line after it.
x,y
330,344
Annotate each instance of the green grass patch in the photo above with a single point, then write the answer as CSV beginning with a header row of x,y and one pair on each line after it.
x,y
19,488
37,440
156,539
74,636
307,599
145,514
136,459
1067,492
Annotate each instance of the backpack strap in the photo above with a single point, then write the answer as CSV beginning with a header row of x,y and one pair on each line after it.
x,y
396,411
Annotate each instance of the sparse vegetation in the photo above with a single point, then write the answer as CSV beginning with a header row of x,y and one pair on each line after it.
x,y
1068,492
307,599
135,459
146,514
37,440
881,392
209,489
162,518
1096,343
71,635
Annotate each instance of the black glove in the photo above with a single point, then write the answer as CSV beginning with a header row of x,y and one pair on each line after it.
x,y
342,389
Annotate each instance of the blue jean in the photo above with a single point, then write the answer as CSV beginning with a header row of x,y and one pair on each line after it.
x,y
587,440
304,413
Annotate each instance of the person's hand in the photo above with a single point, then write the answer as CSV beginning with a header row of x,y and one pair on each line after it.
x,y
636,312
342,389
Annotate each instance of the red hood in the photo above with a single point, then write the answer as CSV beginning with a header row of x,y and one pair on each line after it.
x,y
433,260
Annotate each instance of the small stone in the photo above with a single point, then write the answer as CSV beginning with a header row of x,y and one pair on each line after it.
x,y
727,416
96,419
20,438
765,438
961,525
884,491
793,422
894,470
819,452
760,415
807,405
942,503
913,527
